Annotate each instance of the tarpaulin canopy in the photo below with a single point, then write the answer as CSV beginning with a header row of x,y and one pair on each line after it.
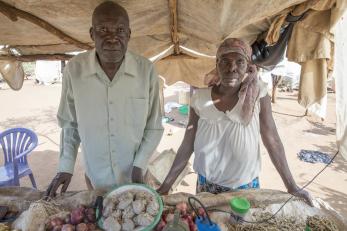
x,y
201,25
56,27
50,29
341,82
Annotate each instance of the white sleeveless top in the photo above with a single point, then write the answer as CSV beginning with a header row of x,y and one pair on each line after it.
x,y
226,151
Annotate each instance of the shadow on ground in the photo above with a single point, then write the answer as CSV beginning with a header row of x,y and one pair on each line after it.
x,y
320,129
339,164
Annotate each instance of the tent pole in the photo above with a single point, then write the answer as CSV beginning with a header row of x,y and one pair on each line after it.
x,y
174,26
31,58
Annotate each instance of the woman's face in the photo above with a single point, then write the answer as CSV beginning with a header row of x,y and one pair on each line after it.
x,y
231,68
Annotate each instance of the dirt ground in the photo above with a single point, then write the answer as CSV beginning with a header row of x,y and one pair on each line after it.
x,y
35,107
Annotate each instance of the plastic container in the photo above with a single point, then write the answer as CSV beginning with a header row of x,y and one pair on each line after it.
x,y
240,207
184,110
204,225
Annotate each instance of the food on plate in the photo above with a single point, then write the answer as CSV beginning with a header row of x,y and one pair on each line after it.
x,y
143,219
140,205
133,209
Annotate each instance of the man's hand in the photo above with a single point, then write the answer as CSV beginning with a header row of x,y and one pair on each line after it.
x,y
303,194
137,176
62,178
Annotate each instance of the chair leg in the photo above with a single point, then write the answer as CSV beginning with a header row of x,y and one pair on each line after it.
x,y
32,179
16,181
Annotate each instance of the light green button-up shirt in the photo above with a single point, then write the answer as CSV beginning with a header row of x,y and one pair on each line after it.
x,y
117,123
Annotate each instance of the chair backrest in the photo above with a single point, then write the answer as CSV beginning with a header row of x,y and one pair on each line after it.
x,y
15,141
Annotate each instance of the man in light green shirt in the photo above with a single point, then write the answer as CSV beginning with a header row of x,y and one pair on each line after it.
x,y
109,105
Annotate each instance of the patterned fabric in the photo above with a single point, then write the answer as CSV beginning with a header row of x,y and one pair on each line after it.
x,y
235,45
205,186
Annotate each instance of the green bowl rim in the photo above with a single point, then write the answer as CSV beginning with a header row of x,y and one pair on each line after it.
x,y
157,217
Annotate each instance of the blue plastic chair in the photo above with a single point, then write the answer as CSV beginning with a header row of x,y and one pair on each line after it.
x,y
16,144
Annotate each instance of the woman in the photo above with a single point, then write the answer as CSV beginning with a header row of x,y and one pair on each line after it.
x,y
224,126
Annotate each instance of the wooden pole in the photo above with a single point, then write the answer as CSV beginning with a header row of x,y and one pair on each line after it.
x,y
44,46
276,80
13,14
174,26
62,66
31,58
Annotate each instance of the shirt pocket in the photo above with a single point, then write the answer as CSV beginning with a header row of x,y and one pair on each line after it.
x,y
137,112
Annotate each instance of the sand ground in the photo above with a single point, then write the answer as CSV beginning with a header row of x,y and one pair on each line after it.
x,y
35,107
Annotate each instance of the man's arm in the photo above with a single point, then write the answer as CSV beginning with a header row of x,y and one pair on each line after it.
x,y
275,148
183,154
153,131
69,138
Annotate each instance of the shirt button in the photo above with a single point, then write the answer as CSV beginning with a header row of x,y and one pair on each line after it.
x,y
111,119
112,135
110,102
113,151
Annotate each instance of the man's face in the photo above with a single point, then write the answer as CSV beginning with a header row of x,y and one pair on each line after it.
x,y
111,34
231,68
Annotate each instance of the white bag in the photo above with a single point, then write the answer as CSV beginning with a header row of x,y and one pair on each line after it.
x,y
161,165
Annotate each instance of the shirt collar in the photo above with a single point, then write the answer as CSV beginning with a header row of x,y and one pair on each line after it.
x,y
129,63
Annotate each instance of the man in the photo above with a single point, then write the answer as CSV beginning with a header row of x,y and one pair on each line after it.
x,y
224,126
109,104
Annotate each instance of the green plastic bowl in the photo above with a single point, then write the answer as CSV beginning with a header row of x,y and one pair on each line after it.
x,y
126,187
240,205
184,110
